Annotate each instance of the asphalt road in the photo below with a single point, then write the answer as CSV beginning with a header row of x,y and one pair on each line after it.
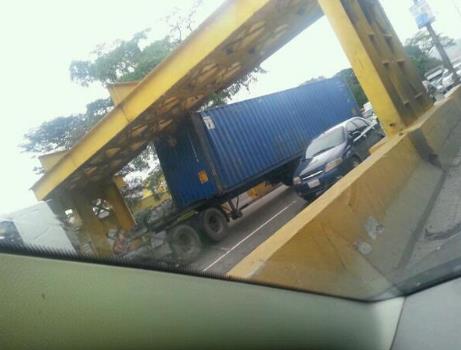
x,y
259,221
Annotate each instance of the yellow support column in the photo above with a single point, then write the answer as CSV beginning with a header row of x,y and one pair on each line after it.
x,y
350,241
122,212
91,224
378,59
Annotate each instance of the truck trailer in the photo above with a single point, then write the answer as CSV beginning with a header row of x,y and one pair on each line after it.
x,y
212,156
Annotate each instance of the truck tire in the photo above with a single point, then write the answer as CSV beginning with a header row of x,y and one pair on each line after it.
x,y
214,224
185,243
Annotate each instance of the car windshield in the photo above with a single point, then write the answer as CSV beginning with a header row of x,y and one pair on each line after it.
x,y
324,142
171,135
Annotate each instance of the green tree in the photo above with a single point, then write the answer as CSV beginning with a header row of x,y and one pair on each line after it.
x,y
423,40
121,61
422,61
420,48
62,132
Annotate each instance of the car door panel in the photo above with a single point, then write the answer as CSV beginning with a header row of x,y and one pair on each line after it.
x,y
359,139
370,136
360,147
374,136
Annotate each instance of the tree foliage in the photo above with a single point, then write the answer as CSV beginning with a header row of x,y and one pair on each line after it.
x,y
124,60
63,132
422,61
121,61
423,40
420,49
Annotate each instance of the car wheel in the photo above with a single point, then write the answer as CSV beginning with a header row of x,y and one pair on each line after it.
x,y
185,243
214,224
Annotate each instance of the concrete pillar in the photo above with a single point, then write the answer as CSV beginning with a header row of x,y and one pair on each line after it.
x,y
121,211
91,224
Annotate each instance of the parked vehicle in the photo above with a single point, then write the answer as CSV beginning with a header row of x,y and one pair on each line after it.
x,y
430,88
448,78
368,111
35,226
434,76
211,157
333,154
369,114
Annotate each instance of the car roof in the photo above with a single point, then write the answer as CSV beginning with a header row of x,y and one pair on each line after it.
x,y
435,74
340,125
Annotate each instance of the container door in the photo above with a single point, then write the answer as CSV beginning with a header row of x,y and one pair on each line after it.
x,y
183,163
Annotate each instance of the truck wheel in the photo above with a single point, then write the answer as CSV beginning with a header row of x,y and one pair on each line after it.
x,y
214,224
185,243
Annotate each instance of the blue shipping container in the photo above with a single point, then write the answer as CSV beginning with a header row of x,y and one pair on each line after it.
x,y
223,149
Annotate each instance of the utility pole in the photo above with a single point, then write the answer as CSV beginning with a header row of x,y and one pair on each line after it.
x,y
424,18
443,54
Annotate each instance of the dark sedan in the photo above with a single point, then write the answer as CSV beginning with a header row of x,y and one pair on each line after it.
x,y
333,154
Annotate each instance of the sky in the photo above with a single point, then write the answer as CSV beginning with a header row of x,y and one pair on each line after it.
x,y
40,39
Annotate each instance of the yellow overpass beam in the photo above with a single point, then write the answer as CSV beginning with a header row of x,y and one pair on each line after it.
x,y
229,44
119,91
379,61
49,160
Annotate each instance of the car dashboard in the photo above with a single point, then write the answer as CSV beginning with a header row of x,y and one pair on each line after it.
x,y
64,304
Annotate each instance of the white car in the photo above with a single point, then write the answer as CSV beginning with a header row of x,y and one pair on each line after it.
x,y
35,226
447,77
369,114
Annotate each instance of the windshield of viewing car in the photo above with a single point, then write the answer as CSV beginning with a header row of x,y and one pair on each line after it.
x,y
329,140
169,135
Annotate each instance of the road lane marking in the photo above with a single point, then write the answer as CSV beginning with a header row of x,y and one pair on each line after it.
x,y
244,239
